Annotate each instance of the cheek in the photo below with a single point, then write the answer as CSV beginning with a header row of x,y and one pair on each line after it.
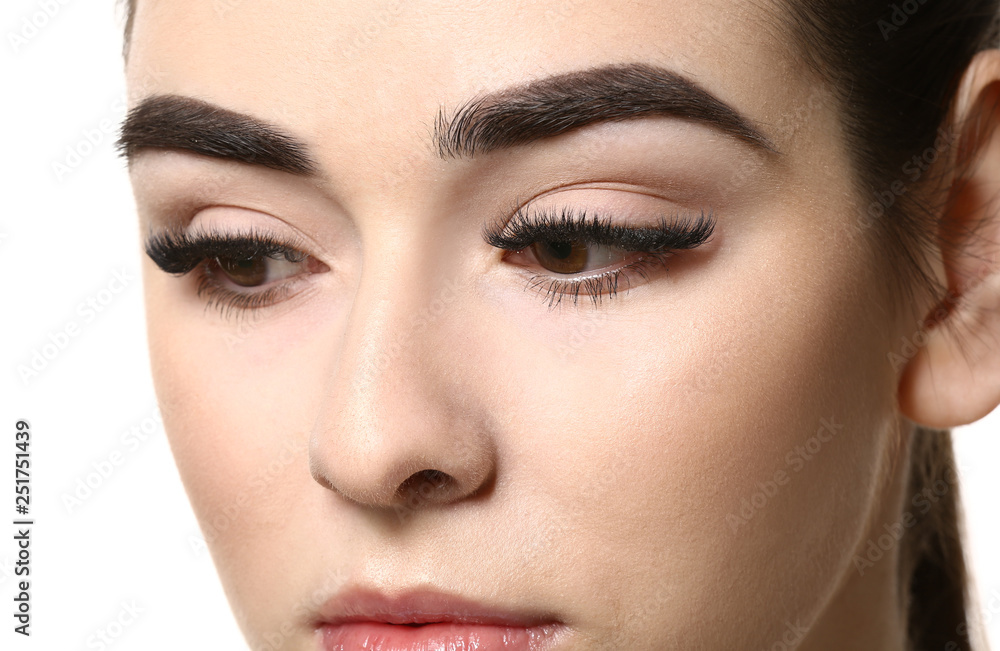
x,y
238,423
727,444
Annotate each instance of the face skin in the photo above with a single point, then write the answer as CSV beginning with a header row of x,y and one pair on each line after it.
x,y
606,463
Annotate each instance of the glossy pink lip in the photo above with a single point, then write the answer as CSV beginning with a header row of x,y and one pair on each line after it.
x,y
427,621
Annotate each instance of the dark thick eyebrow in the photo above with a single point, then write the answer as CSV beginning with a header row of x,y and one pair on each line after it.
x,y
515,116
186,123
554,105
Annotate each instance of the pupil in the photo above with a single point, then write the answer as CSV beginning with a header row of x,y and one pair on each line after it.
x,y
561,250
248,272
561,256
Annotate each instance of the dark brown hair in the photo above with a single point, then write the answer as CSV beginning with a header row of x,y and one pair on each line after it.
x,y
894,69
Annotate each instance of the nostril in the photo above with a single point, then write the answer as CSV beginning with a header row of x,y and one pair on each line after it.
x,y
430,485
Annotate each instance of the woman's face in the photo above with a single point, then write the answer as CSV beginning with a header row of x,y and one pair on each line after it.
x,y
405,410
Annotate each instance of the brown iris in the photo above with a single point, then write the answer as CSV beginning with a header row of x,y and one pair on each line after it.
x,y
561,257
248,272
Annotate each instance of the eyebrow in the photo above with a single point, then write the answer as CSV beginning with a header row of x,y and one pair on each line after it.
x,y
557,104
500,120
197,126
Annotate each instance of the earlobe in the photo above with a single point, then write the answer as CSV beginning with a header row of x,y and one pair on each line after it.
x,y
951,373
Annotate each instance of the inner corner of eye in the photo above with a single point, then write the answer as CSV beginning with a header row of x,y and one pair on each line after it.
x,y
315,265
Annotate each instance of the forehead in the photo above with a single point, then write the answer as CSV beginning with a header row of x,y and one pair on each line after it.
x,y
368,78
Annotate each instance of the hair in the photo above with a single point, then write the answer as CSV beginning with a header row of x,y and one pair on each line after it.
x,y
894,70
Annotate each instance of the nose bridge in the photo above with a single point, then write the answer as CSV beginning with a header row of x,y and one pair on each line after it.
x,y
395,420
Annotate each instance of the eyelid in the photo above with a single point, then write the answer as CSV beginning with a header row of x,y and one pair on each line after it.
x,y
652,244
183,217
527,226
180,252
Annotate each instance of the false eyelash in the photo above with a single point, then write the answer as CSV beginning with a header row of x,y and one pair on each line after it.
x,y
526,228
178,252
656,244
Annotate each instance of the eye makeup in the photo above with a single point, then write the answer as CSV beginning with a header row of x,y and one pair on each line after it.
x,y
592,255
243,270
578,253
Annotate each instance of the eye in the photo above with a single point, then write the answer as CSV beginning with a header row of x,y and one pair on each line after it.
x,y
260,270
593,256
573,257
236,271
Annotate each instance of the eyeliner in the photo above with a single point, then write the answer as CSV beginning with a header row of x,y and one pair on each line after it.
x,y
673,234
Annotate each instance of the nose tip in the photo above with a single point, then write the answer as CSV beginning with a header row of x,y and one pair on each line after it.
x,y
420,489
412,449
407,416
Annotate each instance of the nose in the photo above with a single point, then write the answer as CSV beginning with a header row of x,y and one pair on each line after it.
x,y
401,425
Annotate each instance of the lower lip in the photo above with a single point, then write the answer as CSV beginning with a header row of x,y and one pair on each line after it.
x,y
373,636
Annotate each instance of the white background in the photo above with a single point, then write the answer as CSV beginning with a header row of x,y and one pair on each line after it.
x,y
64,235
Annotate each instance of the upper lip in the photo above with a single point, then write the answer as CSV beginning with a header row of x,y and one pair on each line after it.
x,y
421,606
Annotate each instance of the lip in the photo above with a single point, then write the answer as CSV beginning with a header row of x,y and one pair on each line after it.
x,y
426,620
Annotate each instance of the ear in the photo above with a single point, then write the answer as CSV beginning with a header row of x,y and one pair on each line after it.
x,y
952,377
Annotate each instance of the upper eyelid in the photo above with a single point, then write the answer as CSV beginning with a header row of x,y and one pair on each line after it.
x,y
527,226
264,221
179,252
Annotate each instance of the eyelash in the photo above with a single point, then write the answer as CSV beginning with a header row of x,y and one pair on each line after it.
x,y
655,244
179,253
